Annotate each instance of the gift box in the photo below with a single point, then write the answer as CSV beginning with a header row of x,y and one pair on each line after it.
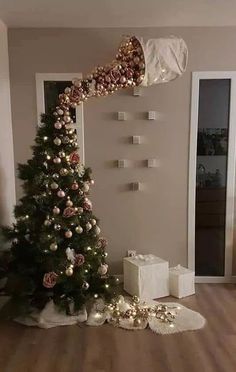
x,y
181,281
146,276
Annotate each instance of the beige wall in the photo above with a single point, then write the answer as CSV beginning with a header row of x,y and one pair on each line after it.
x,y
152,221
7,176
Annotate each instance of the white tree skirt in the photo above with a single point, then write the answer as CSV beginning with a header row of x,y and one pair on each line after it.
x,y
49,317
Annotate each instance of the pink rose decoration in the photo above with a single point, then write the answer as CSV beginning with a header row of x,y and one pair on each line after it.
x,y
87,205
78,259
68,212
102,243
50,279
115,74
74,157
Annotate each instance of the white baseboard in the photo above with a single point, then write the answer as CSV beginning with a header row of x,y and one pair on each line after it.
x,y
215,279
199,279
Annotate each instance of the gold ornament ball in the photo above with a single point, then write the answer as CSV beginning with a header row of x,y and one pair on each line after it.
x,y
53,247
62,154
88,226
57,141
47,223
63,171
136,299
116,313
93,221
69,203
79,229
69,271
54,186
137,322
86,187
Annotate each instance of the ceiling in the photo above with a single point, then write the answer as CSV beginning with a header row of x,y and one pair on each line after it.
x,y
117,13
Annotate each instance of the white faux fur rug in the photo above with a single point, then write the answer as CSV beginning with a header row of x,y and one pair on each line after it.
x,y
185,320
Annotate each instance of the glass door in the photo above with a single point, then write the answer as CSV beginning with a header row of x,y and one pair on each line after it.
x,y
211,174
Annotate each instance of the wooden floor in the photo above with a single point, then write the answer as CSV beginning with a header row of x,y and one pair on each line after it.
x,y
108,349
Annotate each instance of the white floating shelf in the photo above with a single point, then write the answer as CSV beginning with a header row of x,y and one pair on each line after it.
x,y
153,163
137,92
122,163
136,140
151,115
135,186
122,116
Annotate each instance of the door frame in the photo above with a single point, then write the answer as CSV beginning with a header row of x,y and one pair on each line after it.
x,y
79,124
230,191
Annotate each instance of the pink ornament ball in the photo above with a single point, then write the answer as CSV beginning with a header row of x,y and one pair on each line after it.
x,y
102,270
68,234
61,194
58,125
75,186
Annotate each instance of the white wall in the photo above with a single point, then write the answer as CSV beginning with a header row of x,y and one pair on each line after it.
x,y
7,176
154,220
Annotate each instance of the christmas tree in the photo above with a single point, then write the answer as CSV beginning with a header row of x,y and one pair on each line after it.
x,y
56,250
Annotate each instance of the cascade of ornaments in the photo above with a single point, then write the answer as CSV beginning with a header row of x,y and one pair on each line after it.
x,y
127,70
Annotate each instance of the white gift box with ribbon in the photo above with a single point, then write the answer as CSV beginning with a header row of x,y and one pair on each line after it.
x,y
181,281
146,276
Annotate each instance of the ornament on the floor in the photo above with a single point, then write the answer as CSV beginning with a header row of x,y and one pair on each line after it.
x,y
131,314
138,312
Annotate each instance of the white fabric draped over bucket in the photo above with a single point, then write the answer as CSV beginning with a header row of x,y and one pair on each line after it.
x,y
165,59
